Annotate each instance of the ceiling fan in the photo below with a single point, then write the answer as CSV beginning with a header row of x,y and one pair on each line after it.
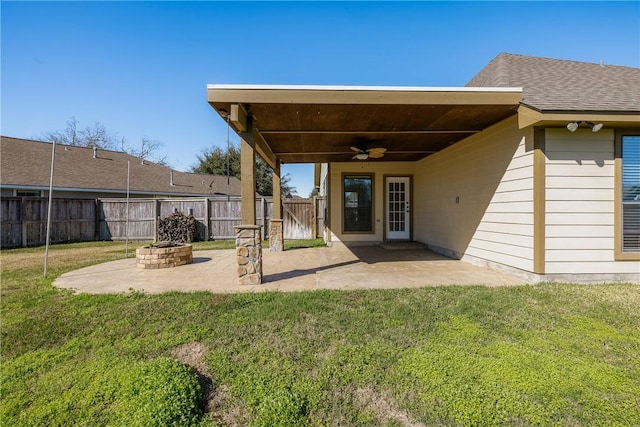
x,y
365,153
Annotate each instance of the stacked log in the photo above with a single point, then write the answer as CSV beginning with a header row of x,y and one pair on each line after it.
x,y
177,228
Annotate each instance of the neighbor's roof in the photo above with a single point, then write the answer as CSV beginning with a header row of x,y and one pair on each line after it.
x,y
564,86
27,164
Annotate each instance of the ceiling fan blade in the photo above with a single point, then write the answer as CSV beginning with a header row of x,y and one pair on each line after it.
x,y
376,154
357,150
377,150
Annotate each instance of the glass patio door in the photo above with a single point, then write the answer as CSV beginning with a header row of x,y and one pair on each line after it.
x,y
398,209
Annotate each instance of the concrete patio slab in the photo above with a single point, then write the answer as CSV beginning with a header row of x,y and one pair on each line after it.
x,y
336,267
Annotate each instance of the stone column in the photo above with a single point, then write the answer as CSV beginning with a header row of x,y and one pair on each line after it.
x,y
276,236
249,254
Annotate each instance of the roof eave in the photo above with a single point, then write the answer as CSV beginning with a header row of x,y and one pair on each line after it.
x,y
353,95
531,116
99,190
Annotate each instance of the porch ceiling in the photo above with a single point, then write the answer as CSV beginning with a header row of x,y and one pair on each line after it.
x,y
314,124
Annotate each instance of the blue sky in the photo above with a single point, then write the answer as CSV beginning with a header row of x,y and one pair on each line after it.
x,y
141,68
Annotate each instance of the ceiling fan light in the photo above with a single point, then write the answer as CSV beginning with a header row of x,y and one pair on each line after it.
x,y
361,156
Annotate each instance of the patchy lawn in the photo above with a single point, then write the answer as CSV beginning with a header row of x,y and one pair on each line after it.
x,y
545,354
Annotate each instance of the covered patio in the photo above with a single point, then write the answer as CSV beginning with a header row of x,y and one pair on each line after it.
x,y
342,124
337,267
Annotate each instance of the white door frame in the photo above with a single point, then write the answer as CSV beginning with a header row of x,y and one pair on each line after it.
x,y
397,207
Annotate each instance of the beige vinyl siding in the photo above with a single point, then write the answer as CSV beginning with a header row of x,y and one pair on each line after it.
x,y
492,174
580,204
324,172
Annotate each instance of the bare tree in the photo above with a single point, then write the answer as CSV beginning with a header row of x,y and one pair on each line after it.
x,y
148,150
98,136
90,136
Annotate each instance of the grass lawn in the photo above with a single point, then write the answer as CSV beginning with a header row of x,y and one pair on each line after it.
x,y
549,354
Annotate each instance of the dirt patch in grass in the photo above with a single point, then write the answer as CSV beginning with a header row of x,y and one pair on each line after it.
x,y
193,355
227,410
384,407
216,401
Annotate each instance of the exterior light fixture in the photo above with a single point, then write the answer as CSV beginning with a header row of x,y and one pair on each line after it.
x,y
573,126
362,156
595,127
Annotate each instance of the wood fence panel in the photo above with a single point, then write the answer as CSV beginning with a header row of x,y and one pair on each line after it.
x,y
196,207
11,220
24,221
269,207
298,218
72,220
263,216
35,220
224,214
113,219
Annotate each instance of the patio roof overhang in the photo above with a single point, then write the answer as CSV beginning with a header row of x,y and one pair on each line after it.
x,y
316,124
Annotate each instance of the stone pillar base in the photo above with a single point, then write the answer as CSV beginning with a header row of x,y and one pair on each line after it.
x,y
276,236
249,254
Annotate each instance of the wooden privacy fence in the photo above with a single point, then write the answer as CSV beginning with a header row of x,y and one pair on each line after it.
x,y
215,216
24,219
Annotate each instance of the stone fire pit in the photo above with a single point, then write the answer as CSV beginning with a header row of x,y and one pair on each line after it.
x,y
164,255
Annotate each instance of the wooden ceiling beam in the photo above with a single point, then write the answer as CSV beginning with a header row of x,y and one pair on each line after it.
x,y
264,150
335,153
238,117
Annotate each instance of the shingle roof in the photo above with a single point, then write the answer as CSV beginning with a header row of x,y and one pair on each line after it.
x,y
25,162
561,85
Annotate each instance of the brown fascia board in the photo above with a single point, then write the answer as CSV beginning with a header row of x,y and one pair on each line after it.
x,y
603,112
293,94
528,116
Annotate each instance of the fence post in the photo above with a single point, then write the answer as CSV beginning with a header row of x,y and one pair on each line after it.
x,y
97,235
206,219
156,218
23,212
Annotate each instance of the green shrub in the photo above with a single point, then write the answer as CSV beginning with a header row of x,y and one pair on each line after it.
x,y
281,407
105,391
161,392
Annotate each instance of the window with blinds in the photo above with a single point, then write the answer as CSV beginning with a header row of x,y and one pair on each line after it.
x,y
631,193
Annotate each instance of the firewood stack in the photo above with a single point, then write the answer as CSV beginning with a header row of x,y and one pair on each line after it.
x,y
177,228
